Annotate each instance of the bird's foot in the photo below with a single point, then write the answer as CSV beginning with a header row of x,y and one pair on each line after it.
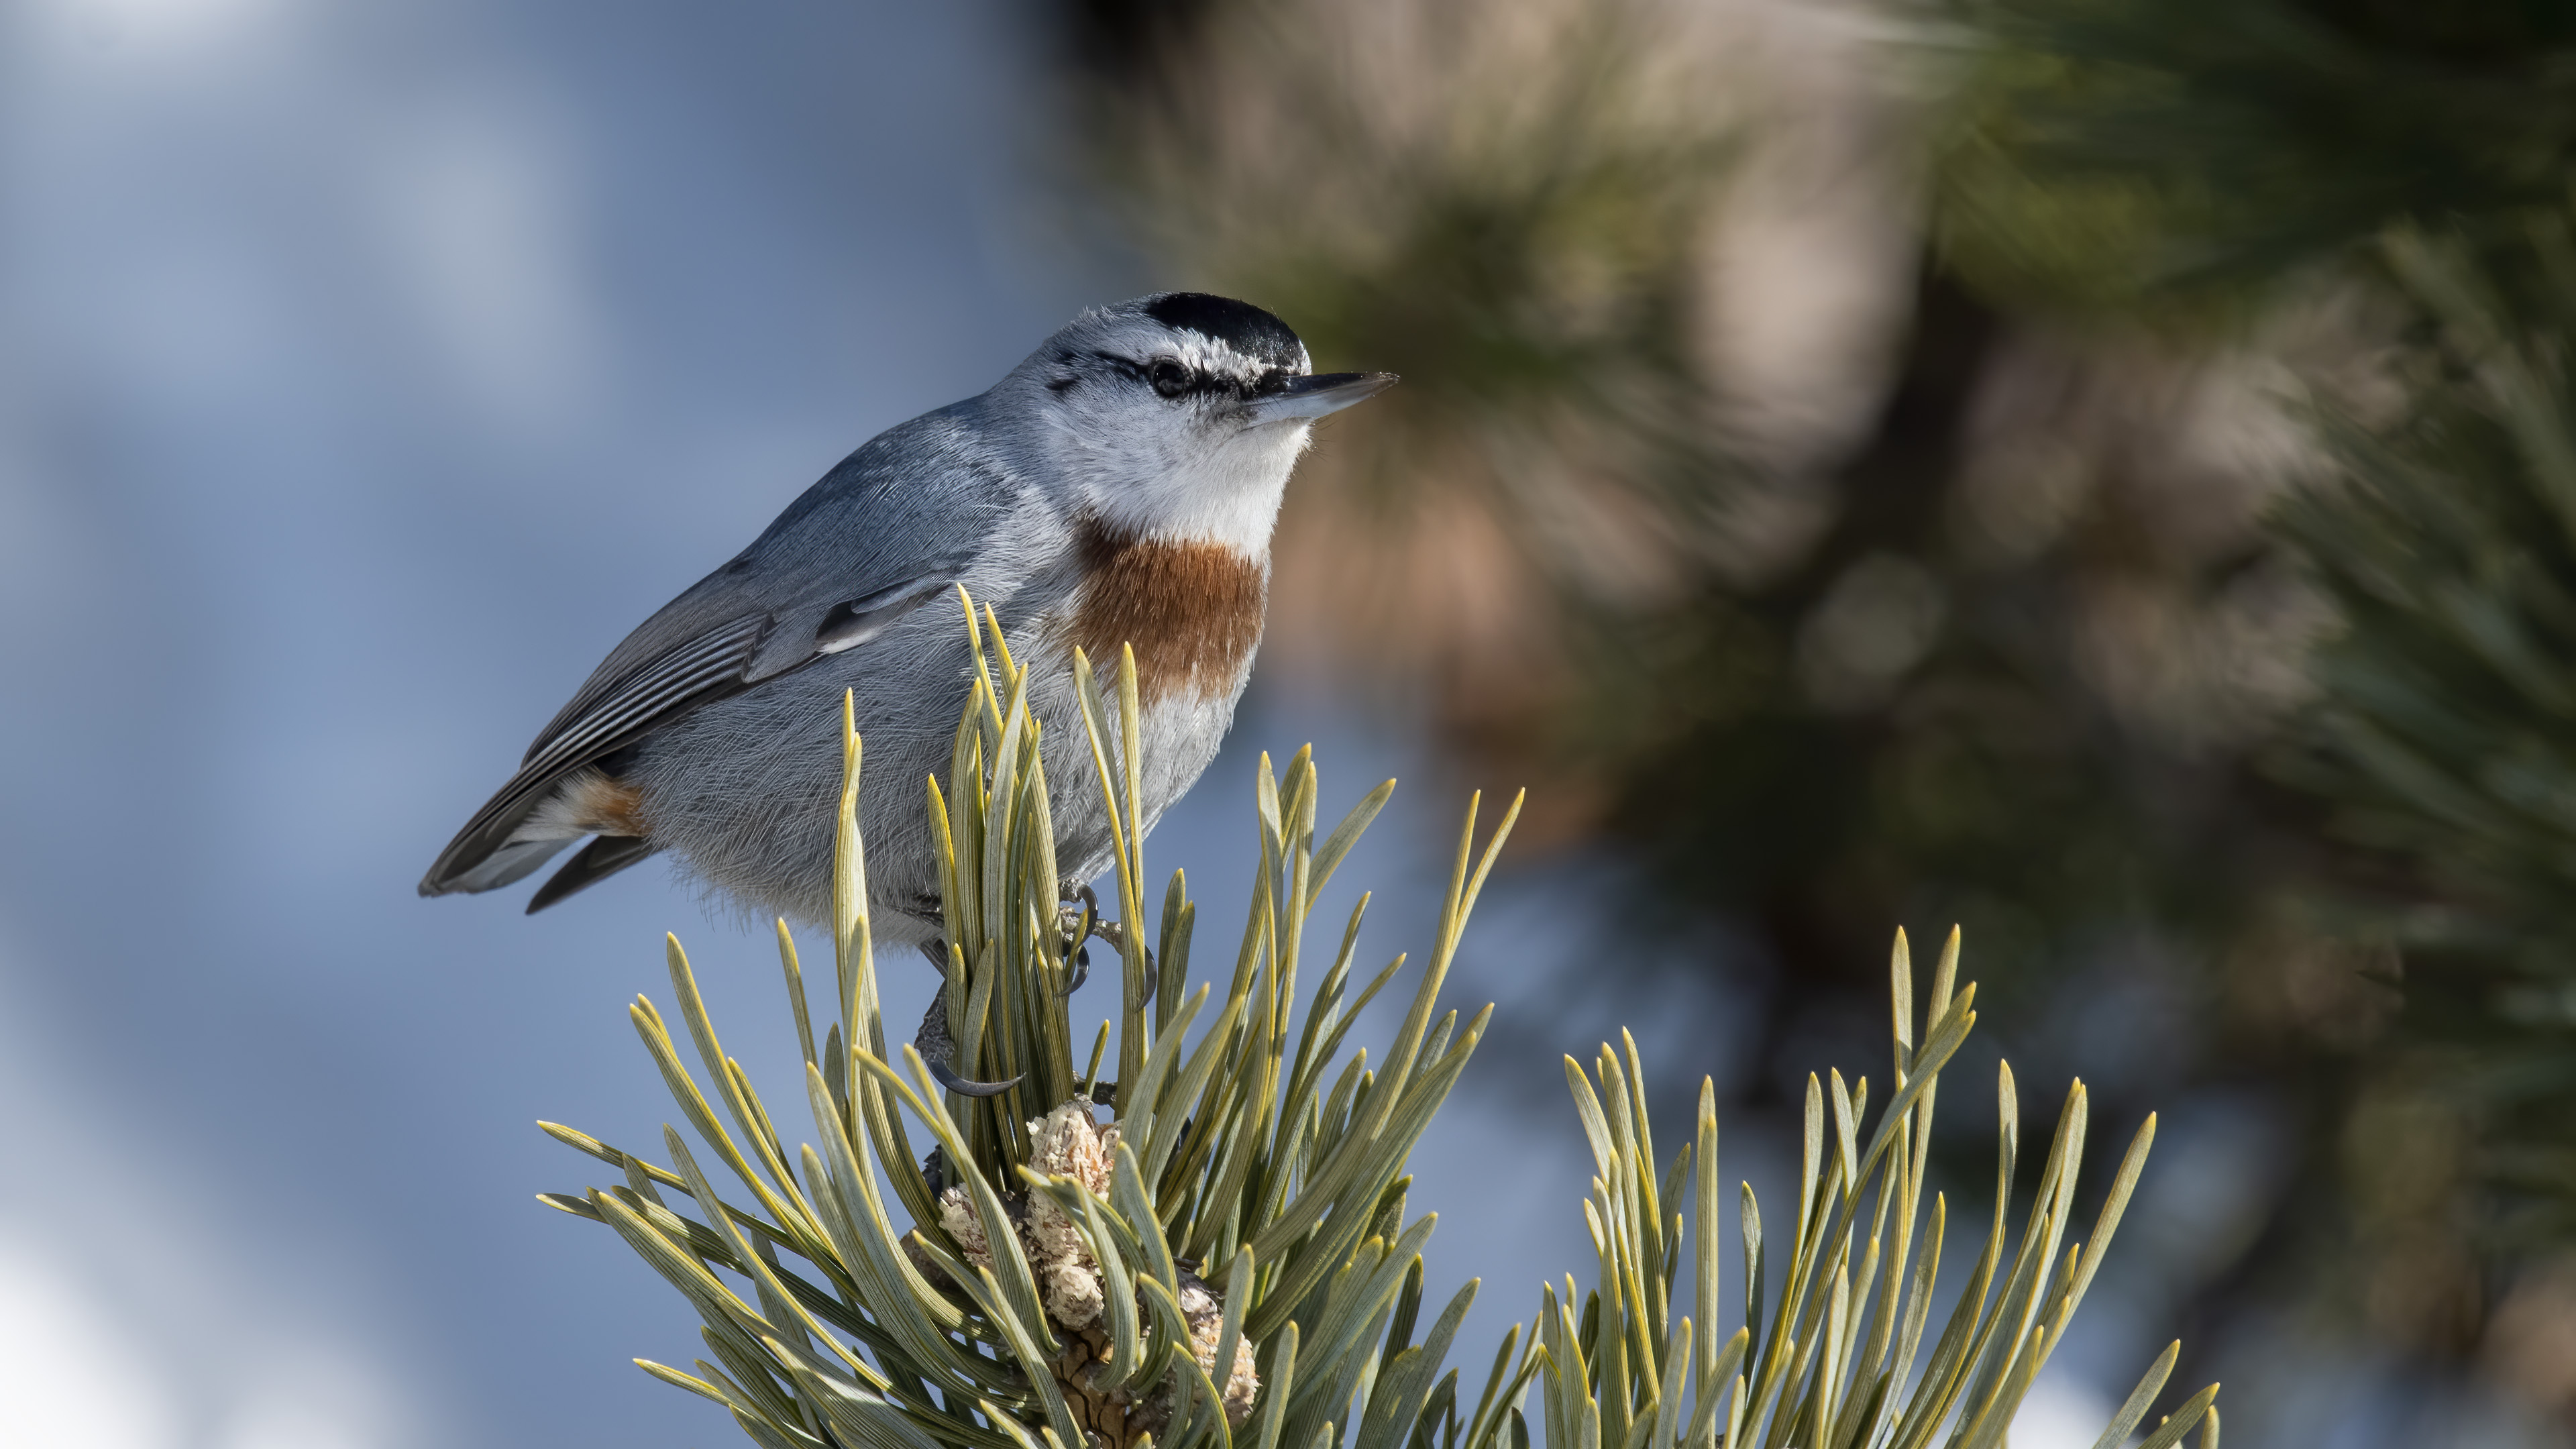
x,y
1079,919
938,1049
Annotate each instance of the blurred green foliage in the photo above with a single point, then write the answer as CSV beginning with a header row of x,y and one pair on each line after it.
x,y
2117,151
2157,153
2445,723
2029,646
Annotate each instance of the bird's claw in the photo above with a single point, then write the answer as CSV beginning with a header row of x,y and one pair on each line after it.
x,y
965,1088
1079,920
938,1049
1115,933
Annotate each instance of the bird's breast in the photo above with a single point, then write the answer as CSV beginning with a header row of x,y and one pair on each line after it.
x,y
1191,610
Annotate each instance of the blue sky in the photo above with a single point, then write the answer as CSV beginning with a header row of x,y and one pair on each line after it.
x,y
364,373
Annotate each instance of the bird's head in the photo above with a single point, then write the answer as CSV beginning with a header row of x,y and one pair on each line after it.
x,y
1178,416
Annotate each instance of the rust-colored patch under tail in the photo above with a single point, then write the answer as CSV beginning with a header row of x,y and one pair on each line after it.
x,y
596,803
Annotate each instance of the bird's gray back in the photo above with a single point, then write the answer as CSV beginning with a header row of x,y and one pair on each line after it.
x,y
922,497
742,789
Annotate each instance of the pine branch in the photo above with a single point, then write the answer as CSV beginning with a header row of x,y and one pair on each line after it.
x,y
1231,1255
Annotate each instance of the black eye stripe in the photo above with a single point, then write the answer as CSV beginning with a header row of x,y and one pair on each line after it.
x,y
1201,384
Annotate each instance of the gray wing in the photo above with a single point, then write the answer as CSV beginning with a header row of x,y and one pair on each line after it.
x,y
892,527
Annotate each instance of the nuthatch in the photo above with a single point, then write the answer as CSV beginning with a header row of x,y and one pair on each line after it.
x,y
1118,487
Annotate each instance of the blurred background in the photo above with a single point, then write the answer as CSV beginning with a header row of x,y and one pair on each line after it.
x,y
2101,472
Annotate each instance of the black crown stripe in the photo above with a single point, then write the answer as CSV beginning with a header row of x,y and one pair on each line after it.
x,y
1239,325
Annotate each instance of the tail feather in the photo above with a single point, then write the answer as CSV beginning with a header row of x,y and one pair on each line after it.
x,y
504,866
602,858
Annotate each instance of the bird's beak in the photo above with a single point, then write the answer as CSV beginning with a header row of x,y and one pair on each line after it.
x,y
1313,397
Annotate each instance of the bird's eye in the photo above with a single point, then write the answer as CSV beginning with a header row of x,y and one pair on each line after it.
x,y
1168,377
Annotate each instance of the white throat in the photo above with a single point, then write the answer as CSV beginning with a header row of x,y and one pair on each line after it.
x,y
1228,494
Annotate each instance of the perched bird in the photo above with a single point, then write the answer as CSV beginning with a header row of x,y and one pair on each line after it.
x,y
1118,487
